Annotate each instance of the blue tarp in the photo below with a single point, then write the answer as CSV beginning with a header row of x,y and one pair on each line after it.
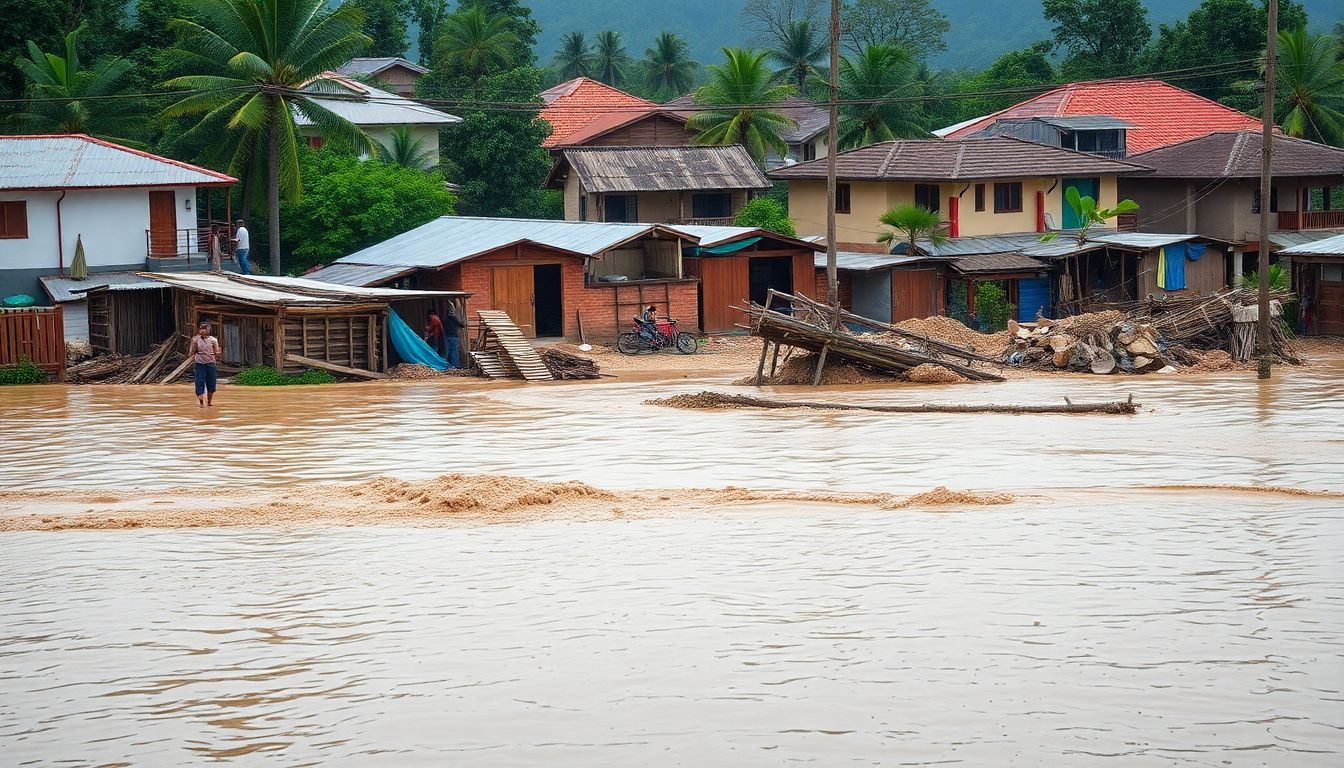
x,y
410,347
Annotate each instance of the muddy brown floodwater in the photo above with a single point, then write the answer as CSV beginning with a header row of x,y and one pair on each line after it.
x,y
1120,610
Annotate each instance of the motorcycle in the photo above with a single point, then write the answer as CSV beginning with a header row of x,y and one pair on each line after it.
x,y
652,337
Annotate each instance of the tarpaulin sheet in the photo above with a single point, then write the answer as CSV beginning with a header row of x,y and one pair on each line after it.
x,y
410,347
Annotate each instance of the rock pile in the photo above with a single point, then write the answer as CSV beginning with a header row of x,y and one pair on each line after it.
x,y
1099,342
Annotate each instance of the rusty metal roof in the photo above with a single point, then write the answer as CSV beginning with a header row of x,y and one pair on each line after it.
x,y
654,169
995,157
76,161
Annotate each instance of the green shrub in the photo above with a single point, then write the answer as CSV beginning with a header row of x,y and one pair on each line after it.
x,y
991,307
22,372
266,376
767,214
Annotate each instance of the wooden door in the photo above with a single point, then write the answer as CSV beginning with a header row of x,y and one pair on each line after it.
x,y
511,290
162,224
913,293
1330,310
723,284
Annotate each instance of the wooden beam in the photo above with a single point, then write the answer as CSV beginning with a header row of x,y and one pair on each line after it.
x,y
760,367
313,362
821,364
179,370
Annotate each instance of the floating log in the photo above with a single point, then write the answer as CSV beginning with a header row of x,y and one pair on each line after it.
x,y
714,400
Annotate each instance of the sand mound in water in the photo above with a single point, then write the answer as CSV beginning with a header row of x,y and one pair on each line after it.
x,y
929,373
942,496
801,369
1212,361
468,493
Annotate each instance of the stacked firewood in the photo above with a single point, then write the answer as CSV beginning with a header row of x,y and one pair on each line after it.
x,y
162,365
566,365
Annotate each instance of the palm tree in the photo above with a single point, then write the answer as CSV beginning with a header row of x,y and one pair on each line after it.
x,y
910,223
879,72
257,64
406,150
477,42
610,61
741,86
668,64
1310,87
65,98
575,57
800,48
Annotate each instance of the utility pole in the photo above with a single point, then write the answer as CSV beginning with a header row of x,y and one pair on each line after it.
x,y
1266,154
832,275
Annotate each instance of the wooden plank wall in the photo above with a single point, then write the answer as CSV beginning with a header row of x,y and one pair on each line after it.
x,y
130,322
36,334
354,341
724,282
913,293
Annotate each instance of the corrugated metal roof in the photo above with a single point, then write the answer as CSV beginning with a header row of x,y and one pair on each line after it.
x,y
710,236
365,105
219,285
864,262
359,274
1059,248
450,239
307,285
1140,240
1086,122
997,262
368,65
63,289
974,244
653,169
1287,240
1330,246
76,161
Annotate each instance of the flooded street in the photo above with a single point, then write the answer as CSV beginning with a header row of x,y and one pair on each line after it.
x,y
1101,619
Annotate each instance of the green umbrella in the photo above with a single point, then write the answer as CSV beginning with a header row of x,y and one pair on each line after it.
x,y
79,268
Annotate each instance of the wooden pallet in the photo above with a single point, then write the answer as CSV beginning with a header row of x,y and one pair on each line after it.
x,y
490,365
516,355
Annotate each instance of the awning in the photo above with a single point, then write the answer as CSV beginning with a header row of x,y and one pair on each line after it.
x,y
719,250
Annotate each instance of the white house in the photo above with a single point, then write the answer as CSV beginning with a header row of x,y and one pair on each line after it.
x,y
125,205
375,111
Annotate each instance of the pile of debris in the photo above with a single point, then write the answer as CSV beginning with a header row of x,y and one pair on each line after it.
x,y
568,366
165,364
1151,336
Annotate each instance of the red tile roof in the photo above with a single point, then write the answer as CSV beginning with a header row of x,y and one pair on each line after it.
x,y
574,104
1163,113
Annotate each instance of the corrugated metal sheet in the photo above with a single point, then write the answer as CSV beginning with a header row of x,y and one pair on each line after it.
x,y
359,274
654,169
1328,246
334,290
62,289
1059,248
997,262
971,245
368,65
1144,241
365,105
451,239
1033,298
219,285
863,262
79,162
711,236
1087,122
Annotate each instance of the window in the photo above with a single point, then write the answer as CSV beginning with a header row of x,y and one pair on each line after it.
x,y
979,197
1273,200
809,150
583,207
711,205
315,142
1008,197
1109,142
13,219
926,196
842,198
621,208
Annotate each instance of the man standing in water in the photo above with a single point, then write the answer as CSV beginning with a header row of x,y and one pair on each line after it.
x,y
242,243
204,351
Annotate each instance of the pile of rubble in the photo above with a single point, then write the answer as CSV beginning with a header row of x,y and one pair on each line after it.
x,y
1099,342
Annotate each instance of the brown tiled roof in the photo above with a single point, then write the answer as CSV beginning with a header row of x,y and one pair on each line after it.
x,y
997,262
1236,154
966,159
651,169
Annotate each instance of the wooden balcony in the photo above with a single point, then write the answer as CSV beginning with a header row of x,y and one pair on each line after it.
x,y
1298,220
716,221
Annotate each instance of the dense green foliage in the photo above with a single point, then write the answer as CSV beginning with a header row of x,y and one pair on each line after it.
x,y
1310,84
474,43
350,204
878,72
611,63
668,69
22,372
70,98
766,213
385,24
908,224
992,309
741,88
266,376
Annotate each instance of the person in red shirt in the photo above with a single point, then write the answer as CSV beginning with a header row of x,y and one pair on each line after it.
x,y
434,332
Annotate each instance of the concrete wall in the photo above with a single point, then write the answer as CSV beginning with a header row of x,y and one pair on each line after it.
x,y
112,222
428,135
869,200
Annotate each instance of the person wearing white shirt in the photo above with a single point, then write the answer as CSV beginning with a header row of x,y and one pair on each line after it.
x,y
241,245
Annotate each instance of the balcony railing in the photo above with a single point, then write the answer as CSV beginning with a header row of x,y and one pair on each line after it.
x,y
185,243
1293,220
714,221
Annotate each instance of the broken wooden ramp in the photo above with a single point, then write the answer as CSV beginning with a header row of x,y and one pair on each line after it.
x,y
515,353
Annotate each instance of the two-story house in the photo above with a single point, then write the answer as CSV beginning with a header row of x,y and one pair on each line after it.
x,y
376,112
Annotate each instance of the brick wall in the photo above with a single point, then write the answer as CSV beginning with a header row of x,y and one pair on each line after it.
x,y
845,289
678,299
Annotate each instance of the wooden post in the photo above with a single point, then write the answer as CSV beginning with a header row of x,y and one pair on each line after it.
x,y
774,362
760,367
385,339
1266,152
821,364
371,353
303,329
279,333
832,133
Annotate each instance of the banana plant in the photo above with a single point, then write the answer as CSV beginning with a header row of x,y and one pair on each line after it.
x,y
1089,214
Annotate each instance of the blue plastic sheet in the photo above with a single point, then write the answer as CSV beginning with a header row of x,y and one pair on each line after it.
x,y
410,347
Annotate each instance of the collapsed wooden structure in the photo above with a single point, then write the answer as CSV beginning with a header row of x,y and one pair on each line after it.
x,y
288,323
805,324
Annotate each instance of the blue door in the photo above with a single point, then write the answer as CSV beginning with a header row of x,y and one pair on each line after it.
x,y
1033,298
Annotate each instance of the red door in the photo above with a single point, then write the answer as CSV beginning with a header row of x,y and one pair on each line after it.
x,y
162,224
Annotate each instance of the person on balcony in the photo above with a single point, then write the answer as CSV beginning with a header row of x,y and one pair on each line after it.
x,y
214,247
241,245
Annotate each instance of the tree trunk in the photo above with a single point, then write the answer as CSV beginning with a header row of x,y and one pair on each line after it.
x,y
273,188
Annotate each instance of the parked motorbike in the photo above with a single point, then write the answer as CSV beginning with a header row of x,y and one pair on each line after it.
x,y
652,337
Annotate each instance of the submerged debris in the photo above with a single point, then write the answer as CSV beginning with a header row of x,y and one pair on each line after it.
x,y
720,400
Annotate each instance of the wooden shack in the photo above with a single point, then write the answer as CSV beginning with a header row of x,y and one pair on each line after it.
x,y
287,323
737,265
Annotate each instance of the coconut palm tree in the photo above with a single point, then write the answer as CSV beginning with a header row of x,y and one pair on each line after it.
x,y
610,61
1310,87
476,42
256,64
741,86
575,57
909,223
406,150
801,47
668,65
66,98
879,72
